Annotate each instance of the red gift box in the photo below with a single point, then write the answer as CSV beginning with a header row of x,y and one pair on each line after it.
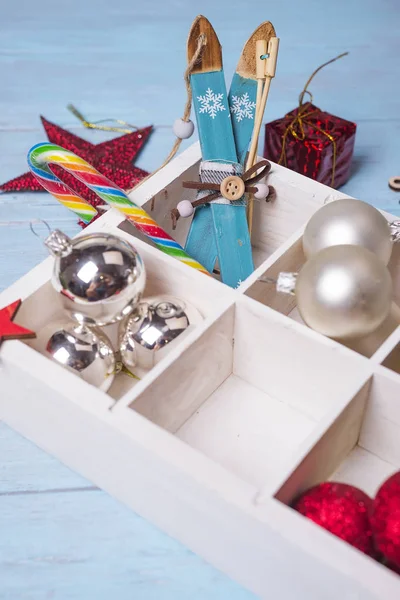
x,y
313,143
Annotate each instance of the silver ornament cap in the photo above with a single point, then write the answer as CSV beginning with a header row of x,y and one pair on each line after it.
x,y
58,243
100,276
153,328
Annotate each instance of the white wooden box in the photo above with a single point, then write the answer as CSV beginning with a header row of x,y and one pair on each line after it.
x,y
248,410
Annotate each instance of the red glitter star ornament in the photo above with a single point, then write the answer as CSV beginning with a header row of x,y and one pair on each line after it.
x,y
112,158
10,330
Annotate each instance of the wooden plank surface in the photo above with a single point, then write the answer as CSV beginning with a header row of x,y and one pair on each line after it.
x,y
61,538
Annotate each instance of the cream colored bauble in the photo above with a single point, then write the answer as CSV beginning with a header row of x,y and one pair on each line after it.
x,y
344,292
348,221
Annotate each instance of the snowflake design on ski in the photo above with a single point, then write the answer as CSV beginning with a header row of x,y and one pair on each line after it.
x,y
242,107
211,103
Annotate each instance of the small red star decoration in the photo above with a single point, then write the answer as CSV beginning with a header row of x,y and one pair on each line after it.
x,y
112,159
10,330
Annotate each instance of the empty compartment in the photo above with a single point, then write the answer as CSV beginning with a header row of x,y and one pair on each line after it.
x,y
361,446
291,258
164,276
249,390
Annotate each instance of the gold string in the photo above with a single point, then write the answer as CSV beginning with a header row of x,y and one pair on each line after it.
x,y
201,43
97,124
302,117
121,368
301,97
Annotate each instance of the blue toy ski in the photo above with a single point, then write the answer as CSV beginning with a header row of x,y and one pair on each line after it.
x,y
243,92
219,230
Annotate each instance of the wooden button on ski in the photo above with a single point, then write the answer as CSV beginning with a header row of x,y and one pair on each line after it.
x,y
232,188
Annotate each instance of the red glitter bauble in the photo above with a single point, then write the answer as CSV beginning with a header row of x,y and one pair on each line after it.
x,y
341,509
385,520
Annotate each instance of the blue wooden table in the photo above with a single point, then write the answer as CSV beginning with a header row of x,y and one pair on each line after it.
x,y
60,537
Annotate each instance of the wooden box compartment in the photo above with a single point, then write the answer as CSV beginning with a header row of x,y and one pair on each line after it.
x,y
360,446
290,258
247,410
163,276
259,389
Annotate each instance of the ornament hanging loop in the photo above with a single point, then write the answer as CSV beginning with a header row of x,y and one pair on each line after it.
x,y
305,90
301,97
38,235
267,280
127,127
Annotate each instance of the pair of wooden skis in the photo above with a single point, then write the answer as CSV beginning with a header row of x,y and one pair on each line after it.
x,y
219,230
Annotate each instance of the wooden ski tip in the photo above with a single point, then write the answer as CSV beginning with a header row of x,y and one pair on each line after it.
x,y
247,65
211,57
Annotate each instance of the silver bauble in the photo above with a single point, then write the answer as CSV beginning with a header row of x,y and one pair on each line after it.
x,y
344,292
100,277
86,352
153,328
348,221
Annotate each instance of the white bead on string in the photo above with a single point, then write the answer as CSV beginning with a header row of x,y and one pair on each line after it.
x,y
183,129
262,191
185,208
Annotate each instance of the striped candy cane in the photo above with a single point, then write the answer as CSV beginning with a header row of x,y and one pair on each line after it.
x,y
42,155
